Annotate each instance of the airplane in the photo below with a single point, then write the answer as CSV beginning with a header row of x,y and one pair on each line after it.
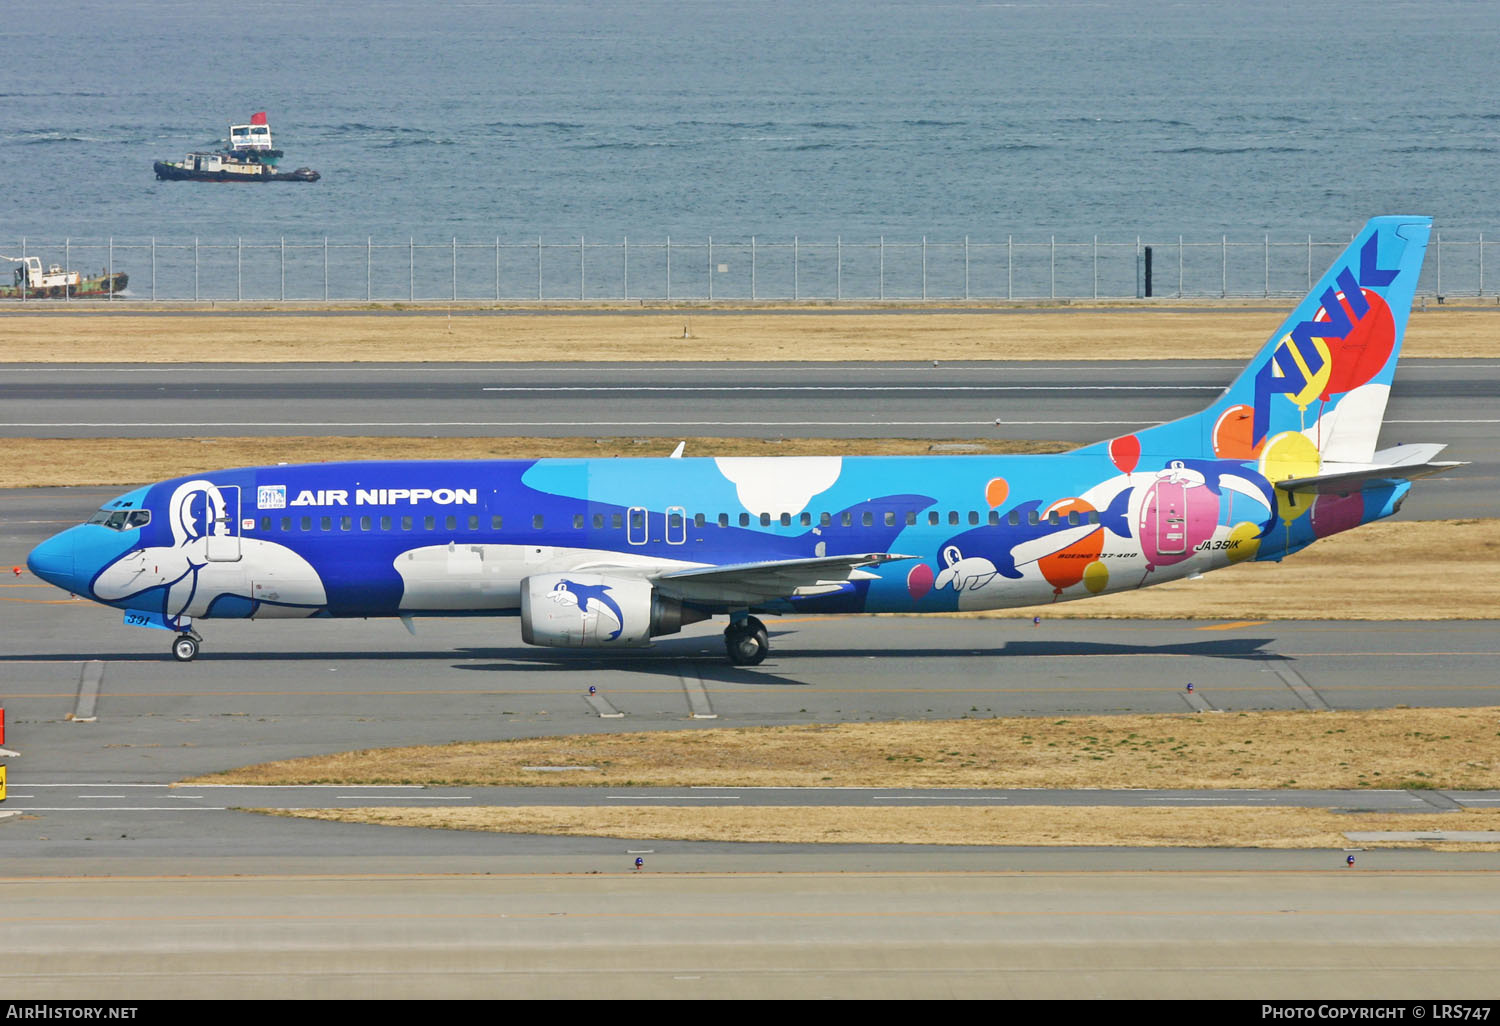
x,y
610,553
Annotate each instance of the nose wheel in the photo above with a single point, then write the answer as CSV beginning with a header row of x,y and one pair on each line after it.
x,y
185,647
746,642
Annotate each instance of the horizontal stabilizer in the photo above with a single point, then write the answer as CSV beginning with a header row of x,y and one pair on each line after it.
x,y
1404,462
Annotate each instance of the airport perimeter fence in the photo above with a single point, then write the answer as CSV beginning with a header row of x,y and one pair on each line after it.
x,y
706,270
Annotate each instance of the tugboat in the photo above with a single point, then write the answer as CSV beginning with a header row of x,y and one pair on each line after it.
x,y
250,158
31,282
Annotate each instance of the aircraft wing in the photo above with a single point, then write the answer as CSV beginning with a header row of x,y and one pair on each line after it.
x,y
750,583
1401,462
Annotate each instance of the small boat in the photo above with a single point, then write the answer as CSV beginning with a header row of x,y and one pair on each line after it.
x,y
251,157
31,282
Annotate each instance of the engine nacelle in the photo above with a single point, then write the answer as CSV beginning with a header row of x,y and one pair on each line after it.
x,y
593,610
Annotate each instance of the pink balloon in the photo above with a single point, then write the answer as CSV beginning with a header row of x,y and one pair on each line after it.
x,y
919,581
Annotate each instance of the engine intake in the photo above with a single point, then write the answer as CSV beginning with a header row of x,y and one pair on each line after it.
x,y
587,610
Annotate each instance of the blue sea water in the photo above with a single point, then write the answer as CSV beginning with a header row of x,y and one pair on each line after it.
x,y
648,118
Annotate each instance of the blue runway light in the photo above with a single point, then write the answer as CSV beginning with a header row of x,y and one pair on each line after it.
x,y
639,862
593,690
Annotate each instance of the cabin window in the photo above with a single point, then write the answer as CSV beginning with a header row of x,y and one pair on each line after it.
x,y
994,517
307,523
846,518
723,519
406,523
536,521
1052,518
286,523
674,523
953,517
1073,518
934,518
824,519
744,519
429,523
911,518
1031,517
786,520
765,520
495,522
1015,518
868,519
890,520
385,523
973,517
614,521
805,519
346,523
473,523
577,521
1093,516
450,523
265,523
598,521
698,519
325,523
365,523
637,520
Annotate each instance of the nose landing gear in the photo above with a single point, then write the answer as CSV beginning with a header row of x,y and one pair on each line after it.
x,y
746,642
185,646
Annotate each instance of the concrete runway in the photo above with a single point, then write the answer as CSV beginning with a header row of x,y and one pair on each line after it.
x,y
160,894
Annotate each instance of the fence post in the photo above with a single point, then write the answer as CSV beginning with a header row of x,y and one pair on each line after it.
x,y
497,268
1052,285
669,268
538,268
581,269
411,269
1179,267
239,269
1481,263
882,267
195,268
1438,237
1223,266
924,268
283,268
752,267
25,280
710,268
453,286
369,254
838,267
1010,253
1096,267
966,268
625,265
68,266
796,283
325,268
1268,265
153,268
109,273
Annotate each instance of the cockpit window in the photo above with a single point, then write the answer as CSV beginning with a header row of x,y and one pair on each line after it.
x,y
121,519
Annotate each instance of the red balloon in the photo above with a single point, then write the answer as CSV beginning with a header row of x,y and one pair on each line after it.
x,y
1359,356
1125,452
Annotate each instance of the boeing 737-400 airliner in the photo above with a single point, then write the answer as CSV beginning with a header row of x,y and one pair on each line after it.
x,y
613,552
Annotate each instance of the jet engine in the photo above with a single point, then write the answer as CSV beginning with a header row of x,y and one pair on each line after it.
x,y
595,610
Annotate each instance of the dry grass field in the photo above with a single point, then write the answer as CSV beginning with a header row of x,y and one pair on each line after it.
x,y
1383,748
438,335
1028,825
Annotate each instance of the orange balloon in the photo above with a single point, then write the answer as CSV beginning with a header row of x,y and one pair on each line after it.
x,y
995,492
1231,437
1064,568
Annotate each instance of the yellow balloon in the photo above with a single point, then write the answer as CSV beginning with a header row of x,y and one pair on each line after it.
x,y
1290,454
1096,577
1316,383
1243,543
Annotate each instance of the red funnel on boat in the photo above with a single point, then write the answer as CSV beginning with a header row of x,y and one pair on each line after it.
x,y
258,118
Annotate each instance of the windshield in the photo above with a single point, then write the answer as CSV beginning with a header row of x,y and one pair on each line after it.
x,y
121,519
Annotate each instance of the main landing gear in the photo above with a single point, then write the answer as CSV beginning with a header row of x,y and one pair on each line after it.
x,y
746,641
185,646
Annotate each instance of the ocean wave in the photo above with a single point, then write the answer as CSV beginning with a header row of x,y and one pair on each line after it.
x,y
563,126
1228,151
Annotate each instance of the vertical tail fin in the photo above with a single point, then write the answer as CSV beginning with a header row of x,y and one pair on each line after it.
x,y
1326,372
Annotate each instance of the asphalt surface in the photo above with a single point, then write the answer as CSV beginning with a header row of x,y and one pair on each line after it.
x,y
117,885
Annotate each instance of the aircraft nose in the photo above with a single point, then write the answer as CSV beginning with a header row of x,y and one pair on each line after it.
x,y
53,562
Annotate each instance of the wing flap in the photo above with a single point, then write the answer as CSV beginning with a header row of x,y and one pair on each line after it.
x,y
746,583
